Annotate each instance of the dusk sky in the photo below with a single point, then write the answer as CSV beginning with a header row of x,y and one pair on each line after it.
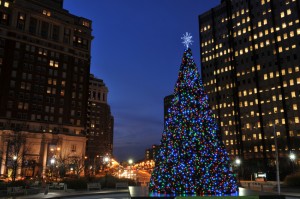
x,y
137,51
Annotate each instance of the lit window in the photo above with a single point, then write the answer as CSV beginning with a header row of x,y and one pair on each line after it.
x,y
254,136
293,94
265,21
259,24
297,120
288,12
255,149
86,23
282,14
283,25
295,107
51,63
6,4
266,32
47,13
278,38
291,82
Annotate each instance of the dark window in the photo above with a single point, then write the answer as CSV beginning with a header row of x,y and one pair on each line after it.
x,y
33,25
44,29
55,33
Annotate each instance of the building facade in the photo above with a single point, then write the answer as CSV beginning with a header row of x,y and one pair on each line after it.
x,y
151,153
250,59
100,124
44,70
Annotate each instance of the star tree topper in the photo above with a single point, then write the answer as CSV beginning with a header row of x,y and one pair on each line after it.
x,y
187,39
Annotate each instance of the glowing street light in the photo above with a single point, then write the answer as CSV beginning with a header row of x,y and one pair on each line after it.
x,y
292,156
106,160
52,161
130,161
14,167
238,161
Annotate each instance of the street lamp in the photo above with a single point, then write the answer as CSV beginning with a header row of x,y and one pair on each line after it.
x,y
238,163
14,167
106,160
52,162
130,161
292,158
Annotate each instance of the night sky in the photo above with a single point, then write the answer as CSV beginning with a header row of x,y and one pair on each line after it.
x,y
137,51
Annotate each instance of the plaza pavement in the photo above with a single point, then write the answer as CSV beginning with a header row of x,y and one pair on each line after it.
x,y
57,194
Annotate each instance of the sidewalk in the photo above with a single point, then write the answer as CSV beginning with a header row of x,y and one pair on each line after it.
x,y
56,194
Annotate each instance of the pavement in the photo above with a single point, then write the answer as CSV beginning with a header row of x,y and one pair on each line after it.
x,y
57,194
124,193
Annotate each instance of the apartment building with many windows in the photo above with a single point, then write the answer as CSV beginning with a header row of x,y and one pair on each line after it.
x,y
250,58
44,77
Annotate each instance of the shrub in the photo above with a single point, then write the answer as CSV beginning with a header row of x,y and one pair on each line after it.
x,y
79,183
293,180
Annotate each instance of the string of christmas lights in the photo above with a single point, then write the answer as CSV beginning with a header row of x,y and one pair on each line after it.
x,y
192,159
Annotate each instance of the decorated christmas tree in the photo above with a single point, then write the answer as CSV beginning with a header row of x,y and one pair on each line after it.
x,y
192,158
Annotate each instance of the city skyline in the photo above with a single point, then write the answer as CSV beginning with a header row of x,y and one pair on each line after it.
x,y
137,51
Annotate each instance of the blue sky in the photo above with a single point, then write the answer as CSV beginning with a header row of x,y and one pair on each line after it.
x,y
137,51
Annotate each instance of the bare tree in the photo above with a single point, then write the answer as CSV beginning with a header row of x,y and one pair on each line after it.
x,y
61,168
78,164
16,151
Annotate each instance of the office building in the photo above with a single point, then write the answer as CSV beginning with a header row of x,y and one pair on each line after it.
x,y
44,78
151,153
250,58
100,124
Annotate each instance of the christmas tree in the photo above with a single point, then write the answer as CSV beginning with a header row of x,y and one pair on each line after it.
x,y
192,158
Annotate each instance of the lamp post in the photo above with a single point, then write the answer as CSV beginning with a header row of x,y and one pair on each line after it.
x,y
292,158
14,167
130,161
52,162
238,163
106,160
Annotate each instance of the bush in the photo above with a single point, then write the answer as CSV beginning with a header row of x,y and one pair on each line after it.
x,y
17,183
79,183
293,180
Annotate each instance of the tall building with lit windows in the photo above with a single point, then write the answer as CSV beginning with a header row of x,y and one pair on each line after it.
x,y
100,124
44,79
250,55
